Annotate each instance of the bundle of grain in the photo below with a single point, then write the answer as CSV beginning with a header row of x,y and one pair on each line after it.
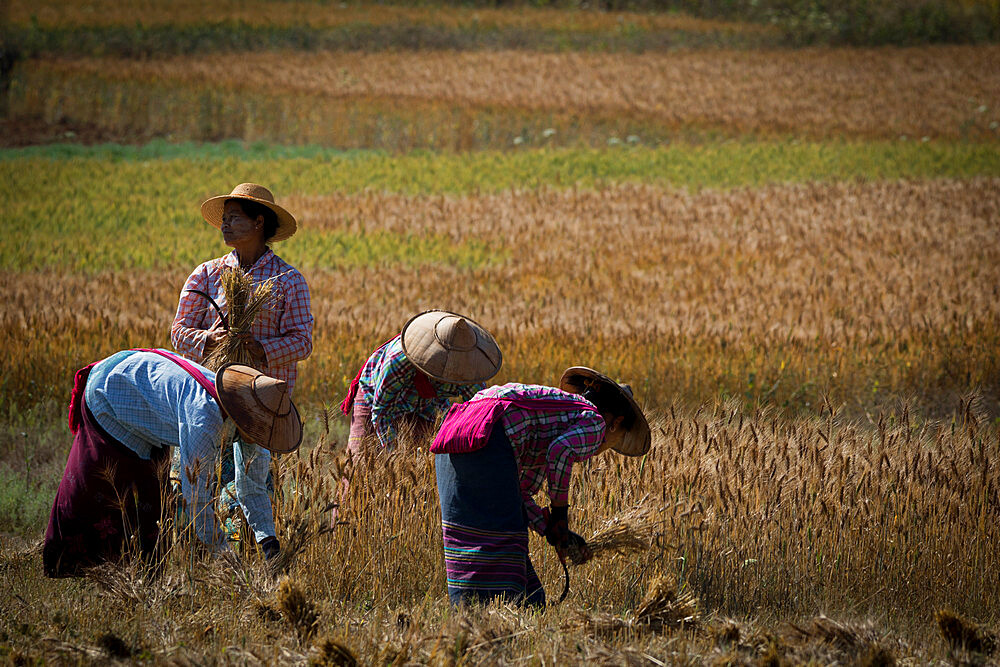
x,y
246,301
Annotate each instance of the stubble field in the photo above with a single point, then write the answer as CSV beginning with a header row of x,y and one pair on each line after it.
x,y
792,255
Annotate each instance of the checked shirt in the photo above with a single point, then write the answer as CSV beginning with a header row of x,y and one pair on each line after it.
x,y
387,386
284,329
144,401
547,443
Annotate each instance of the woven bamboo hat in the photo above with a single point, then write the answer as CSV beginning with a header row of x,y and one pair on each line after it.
x,y
260,406
451,348
637,440
213,208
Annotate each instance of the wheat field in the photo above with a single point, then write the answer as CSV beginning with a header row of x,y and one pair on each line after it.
x,y
471,100
792,255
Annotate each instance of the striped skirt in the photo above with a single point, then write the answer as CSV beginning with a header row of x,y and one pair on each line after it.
x,y
485,533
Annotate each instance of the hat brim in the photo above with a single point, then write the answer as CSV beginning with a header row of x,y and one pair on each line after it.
x,y
276,433
477,364
213,208
638,438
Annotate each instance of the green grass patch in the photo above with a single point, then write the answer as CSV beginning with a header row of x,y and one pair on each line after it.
x,y
176,175
63,203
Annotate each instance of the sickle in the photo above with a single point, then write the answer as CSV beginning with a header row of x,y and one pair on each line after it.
x,y
222,316
565,584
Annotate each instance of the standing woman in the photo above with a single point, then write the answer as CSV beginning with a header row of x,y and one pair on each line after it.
x,y
282,335
494,452
438,355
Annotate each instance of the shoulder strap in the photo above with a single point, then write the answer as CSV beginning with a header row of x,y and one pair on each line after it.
x,y
76,398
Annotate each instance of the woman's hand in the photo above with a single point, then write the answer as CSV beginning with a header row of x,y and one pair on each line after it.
x,y
215,336
557,529
578,549
255,350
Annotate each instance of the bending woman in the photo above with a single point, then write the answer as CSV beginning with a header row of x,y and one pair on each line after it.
x,y
495,451
126,412
410,378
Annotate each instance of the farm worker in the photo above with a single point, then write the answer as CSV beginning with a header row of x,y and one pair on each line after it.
x,y
282,335
411,378
437,356
126,412
493,454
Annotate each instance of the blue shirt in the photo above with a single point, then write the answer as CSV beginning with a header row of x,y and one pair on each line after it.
x,y
145,400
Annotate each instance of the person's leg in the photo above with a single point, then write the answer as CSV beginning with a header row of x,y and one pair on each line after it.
x,y
107,494
485,536
252,467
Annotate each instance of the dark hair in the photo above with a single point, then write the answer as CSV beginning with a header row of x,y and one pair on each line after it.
x,y
252,209
609,401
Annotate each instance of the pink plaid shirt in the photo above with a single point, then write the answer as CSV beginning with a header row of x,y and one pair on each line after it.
x,y
284,329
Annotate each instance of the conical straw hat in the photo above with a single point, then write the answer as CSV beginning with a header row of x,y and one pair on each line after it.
x,y
451,348
212,209
260,406
638,438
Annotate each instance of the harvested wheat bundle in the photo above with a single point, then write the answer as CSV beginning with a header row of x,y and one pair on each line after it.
x,y
297,608
662,610
245,301
633,531
961,633
333,652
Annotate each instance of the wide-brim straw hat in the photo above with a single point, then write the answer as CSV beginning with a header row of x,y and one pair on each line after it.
x,y
450,347
638,438
212,209
260,406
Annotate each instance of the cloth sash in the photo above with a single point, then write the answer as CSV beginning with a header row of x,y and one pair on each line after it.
x,y
468,425
76,398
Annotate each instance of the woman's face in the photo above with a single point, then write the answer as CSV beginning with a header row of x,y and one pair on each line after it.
x,y
614,433
237,227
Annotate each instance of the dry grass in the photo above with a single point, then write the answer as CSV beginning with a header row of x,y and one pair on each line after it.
x,y
863,293
761,520
936,92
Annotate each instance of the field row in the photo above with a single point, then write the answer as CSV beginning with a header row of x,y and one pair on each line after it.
x,y
297,13
475,100
781,293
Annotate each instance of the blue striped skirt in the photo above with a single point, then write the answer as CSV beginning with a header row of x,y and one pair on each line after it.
x,y
485,533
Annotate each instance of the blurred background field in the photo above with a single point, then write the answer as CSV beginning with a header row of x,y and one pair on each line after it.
x,y
779,221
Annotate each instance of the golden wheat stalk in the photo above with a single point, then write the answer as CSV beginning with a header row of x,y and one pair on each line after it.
x,y
630,532
246,302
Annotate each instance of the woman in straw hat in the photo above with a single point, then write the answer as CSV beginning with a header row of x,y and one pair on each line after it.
x,y
410,378
126,411
281,336
495,451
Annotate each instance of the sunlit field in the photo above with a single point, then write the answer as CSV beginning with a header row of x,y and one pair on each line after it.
x,y
791,254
